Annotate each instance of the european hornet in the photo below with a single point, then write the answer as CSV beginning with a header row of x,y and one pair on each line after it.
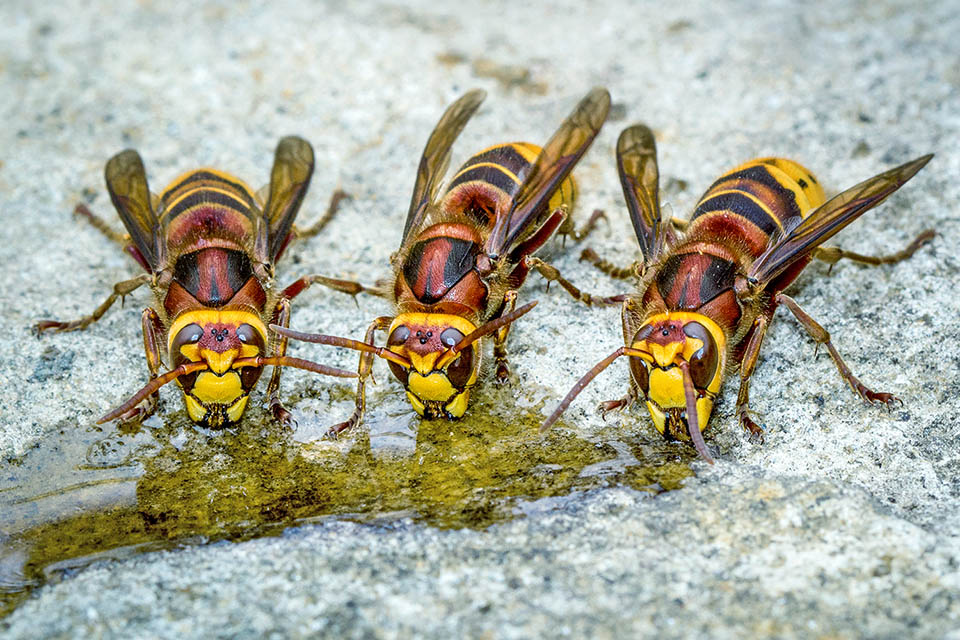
x,y
462,257
708,288
209,244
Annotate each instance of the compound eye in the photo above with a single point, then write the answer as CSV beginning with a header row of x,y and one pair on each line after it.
x,y
398,336
248,335
460,370
450,337
190,334
643,333
703,363
638,368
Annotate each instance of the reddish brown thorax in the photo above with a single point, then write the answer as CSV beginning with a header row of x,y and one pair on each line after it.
x,y
438,274
214,278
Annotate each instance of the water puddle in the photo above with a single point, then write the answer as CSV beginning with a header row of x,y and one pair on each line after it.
x,y
102,493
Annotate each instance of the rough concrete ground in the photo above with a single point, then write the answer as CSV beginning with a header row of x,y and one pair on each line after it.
x,y
844,523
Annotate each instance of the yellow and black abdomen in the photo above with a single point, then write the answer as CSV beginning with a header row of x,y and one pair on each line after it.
x,y
755,200
207,208
492,177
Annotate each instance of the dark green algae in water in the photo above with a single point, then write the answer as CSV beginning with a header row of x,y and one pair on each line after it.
x,y
95,494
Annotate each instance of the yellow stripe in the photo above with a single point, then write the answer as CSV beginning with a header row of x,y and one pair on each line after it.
x,y
170,206
528,150
750,196
494,165
176,183
797,172
787,181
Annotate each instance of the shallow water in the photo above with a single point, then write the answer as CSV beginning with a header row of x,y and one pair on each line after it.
x,y
100,493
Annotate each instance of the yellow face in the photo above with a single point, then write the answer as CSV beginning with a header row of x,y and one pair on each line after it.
x,y
665,340
218,395
437,386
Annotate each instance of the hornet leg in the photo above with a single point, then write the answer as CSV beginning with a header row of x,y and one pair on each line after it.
x,y
619,405
747,364
363,371
335,200
120,290
567,228
832,255
500,342
553,275
152,334
821,336
281,316
612,270
101,225
346,286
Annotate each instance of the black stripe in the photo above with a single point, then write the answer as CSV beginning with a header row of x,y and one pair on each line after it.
x,y
741,205
717,278
459,257
206,176
460,260
491,175
505,155
667,274
759,173
208,197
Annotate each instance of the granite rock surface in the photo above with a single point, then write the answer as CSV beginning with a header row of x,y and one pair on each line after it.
x,y
843,523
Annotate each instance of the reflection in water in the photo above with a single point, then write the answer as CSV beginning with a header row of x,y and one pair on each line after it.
x,y
96,494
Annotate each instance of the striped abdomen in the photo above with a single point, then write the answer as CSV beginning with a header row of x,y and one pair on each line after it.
x,y
208,217
207,208
738,214
754,201
491,178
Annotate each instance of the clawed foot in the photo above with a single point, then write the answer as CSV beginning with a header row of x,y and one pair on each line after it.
x,y
284,417
333,433
875,397
755,430
614,405
502,375
55,326
589,255
135,416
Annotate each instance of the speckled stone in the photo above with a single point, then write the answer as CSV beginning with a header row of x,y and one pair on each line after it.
x,y
844,523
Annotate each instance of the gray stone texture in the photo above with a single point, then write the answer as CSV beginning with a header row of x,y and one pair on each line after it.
x,y
842,524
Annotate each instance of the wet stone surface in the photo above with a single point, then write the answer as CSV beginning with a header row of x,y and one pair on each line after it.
x,y
843,523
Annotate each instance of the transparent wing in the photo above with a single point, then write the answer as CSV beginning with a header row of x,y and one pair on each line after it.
x,y
289,180
436,156
803,236
127,184
640,179
555,162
